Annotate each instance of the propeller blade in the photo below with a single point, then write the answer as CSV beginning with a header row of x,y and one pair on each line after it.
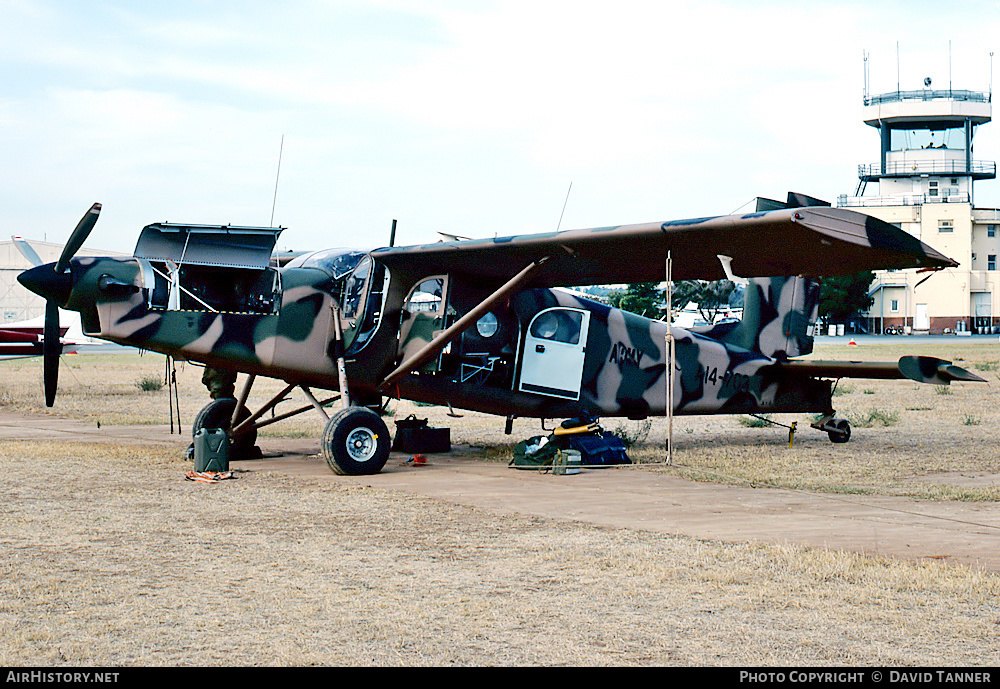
x,y
29,254
78,237
51,349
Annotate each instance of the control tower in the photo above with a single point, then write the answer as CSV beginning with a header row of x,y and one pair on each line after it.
x,y
925,175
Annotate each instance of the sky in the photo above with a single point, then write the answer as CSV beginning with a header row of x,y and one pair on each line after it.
x,y
472,118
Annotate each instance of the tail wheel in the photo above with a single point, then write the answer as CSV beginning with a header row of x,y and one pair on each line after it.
x,y
355,442
219,414
839,430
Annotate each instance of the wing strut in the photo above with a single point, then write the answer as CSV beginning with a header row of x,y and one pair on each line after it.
x,y
456,329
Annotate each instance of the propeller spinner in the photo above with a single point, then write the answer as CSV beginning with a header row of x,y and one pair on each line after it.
x,y
54,282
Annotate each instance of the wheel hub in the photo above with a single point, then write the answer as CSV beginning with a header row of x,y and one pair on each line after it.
x,y
361,444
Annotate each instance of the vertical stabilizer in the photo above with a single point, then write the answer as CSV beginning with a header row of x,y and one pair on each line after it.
x,y
777,313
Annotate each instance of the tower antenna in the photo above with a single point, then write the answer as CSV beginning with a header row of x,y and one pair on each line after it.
x,y
897,67
949,67
864,57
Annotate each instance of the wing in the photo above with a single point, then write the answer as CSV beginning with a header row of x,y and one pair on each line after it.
x,y
811,241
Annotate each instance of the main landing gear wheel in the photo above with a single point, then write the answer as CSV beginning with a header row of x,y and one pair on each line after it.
x,y
355,442
219,414
839,430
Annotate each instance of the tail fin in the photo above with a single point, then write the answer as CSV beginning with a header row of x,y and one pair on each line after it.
x,y
777,313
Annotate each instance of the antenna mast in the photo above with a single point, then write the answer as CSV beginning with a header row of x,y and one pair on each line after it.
x,y
275,201
564,206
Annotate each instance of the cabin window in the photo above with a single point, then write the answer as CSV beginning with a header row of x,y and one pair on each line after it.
x,y
488,325
558,325
427,296
425,314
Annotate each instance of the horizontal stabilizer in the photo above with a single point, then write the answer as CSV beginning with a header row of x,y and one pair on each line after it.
x,y
923,369
927,369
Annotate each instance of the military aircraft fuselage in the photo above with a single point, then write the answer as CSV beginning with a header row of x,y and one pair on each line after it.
x,y
542,352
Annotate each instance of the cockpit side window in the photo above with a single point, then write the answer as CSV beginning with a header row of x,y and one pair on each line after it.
x,y
362,297
354,288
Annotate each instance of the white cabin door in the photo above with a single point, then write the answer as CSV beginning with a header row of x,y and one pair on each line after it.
x,y
554,351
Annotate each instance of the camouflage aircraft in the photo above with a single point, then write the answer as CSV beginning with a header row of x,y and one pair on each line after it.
x,y
483,324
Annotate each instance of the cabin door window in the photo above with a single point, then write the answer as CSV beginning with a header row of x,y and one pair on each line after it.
x,y
554,351
424,316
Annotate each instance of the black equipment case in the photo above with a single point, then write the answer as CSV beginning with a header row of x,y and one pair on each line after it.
x,y
414,435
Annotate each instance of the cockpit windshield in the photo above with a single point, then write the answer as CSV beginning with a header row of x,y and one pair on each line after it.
x,y
337,263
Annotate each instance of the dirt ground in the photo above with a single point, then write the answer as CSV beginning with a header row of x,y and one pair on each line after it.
x,y
746,552
633,497
113,559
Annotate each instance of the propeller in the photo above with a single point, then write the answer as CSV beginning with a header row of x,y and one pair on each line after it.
x,y
79,236
51,349
26,251
56,285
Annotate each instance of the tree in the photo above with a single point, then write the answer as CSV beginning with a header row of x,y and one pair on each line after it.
x,y
711,297
843,296
647,298
643,298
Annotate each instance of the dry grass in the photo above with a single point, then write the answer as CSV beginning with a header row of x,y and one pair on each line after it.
x,y
136,567
111,559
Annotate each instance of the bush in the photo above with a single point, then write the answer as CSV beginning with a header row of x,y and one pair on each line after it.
x,y
873,417
149,384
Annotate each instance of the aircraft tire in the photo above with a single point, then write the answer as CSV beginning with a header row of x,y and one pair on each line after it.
x,y
218,414
355,442
841,432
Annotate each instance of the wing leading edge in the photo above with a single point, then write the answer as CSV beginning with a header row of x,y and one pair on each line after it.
x,y
812,241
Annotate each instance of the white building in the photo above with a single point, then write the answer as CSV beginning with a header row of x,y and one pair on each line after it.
x,y
925,176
